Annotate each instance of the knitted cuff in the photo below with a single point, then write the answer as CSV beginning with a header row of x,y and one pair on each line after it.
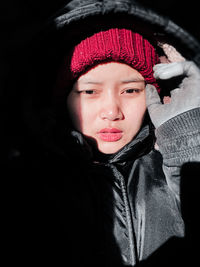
x,y
179,138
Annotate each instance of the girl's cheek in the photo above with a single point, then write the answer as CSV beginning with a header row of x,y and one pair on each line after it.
x,y
89,116
74,109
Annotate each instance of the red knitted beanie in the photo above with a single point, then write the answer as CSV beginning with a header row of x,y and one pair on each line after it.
x,y
119,45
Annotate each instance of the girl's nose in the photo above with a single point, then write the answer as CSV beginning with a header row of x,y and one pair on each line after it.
x,y
111,110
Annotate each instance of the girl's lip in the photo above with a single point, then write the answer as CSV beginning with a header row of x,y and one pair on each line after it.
x,y
110,130
110,134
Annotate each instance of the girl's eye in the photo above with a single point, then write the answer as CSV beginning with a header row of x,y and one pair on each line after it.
x,y
132,91
86,92
89,92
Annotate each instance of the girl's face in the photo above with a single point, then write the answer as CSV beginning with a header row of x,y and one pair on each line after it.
x,y
108,105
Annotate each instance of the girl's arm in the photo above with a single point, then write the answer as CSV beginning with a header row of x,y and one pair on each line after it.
x,y
177,123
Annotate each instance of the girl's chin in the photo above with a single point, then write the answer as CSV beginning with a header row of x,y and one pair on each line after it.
x,y
110,147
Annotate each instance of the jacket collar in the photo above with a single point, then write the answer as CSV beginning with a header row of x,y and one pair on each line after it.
x,y
139,146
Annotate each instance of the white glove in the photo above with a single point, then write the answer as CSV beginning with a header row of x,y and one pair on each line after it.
x,y
184,98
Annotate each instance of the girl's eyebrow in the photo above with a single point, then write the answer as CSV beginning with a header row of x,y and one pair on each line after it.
x,y
135,80
91,82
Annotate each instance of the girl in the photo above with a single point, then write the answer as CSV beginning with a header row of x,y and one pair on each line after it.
x,y
134,197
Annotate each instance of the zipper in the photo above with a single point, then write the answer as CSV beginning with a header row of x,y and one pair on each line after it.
x,y
131,234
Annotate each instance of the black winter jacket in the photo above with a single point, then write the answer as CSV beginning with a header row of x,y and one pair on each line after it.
x,y
121,209
118,210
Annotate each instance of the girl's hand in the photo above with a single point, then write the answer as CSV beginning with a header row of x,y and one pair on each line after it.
x,y
183,98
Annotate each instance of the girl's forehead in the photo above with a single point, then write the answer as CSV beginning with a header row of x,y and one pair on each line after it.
x,y
111,71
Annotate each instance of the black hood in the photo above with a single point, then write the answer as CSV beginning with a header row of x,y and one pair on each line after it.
x,y
78,19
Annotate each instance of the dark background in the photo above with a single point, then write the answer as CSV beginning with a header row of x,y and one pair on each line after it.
x,y
20,21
